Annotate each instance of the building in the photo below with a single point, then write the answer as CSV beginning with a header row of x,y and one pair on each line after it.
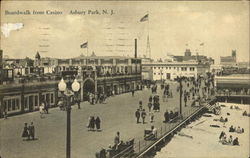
x,y
172,70
233,88
96,74
229,60
188,57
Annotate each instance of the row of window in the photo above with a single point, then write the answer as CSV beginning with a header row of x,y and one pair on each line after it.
x,y
172,74
11,104
31,102
182,68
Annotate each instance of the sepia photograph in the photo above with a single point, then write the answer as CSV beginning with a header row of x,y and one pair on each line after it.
x,y
124,79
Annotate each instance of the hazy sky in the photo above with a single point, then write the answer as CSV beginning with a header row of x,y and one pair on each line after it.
x,y
221,26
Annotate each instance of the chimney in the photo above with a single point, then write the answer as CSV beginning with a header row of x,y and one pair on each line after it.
x,y
135,48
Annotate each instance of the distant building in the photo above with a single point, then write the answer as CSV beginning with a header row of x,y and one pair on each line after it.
x,y
188,57
229,60
45,64
234,88
172,70
19,66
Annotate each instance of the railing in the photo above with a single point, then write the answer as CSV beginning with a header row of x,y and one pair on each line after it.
x,y
117,77
142,144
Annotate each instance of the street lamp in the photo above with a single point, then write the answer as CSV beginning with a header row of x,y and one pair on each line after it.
x,y
68,93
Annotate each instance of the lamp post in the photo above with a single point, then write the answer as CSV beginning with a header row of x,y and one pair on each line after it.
x,y
180,97
180,81
68,93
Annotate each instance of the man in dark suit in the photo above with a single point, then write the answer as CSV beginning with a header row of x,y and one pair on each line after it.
x,y
137,115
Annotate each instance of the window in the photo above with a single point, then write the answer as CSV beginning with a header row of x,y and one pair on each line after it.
x,y
25,103
154,73
166,67
169,68
52,98
174,68
36,100
154,67
191,68
159,67
158,73
5,105
17,104
13,104
183,69
9,105
151,68
162,67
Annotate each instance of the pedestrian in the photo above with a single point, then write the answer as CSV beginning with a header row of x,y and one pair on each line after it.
x,y
221,135
166,116
137,115
149,106
150,99
46,107
236,141
79,103
5,114
151,116
98,123
143,115
41,109
92,123
171,115
133,93
88,125
31,131
90,98
230,140
185,100
25,133
117,138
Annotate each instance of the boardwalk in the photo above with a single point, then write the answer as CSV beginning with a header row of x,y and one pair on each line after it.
x,y
116,115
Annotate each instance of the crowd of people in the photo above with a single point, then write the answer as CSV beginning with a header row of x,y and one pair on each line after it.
x,y
153,106
169,116
228,141
98,98
237,130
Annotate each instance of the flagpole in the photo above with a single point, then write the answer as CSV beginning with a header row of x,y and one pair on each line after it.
x,y
149,51
87,53
148,23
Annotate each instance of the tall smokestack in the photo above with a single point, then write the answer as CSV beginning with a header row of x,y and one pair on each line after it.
x,y
135,48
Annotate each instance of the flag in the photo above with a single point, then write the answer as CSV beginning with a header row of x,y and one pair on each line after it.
x,y
145,18
202,44
84,45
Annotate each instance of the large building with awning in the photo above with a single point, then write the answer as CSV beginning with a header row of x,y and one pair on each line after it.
x,y
233,88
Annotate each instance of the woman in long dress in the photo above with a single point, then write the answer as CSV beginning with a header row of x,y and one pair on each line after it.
x,y
25,133
41,110
98,123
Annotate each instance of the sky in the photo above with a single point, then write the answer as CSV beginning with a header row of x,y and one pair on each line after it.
x,y
172,27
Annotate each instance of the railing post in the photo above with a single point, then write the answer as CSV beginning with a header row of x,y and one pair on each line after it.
x,y
139,147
